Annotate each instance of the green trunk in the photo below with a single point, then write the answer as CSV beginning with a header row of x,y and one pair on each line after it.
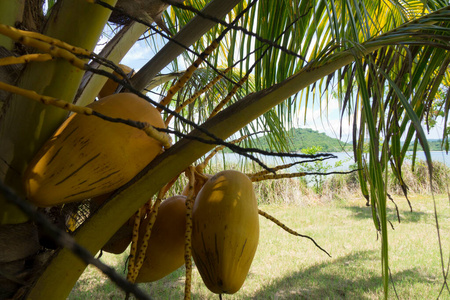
x,y
10,13
26,124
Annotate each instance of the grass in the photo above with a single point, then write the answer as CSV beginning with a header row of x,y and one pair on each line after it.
x,y
289,267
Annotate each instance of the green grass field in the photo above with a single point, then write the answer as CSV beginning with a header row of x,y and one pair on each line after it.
x,y
289,267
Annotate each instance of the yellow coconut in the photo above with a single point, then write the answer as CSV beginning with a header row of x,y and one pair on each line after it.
x,y
111,86
165,252
225,231
88,156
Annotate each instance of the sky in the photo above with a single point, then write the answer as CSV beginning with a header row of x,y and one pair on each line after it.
x,y
329,123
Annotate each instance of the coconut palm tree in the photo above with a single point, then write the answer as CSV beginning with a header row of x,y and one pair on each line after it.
x,y
384,61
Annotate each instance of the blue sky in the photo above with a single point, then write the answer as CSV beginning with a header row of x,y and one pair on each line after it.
x,y
323,119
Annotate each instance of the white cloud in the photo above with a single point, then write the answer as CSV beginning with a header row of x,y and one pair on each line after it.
x,y
331,125
324,116
436,131
138,55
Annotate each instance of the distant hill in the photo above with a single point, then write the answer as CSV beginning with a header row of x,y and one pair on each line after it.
x,y
301,138
435,145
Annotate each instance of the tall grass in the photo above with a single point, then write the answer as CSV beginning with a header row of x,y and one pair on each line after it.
x,y
417,178
295,191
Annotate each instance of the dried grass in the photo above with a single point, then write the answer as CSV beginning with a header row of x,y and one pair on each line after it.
x,y
296,191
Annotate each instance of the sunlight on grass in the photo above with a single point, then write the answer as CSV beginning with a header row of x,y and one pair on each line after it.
x,y
289,267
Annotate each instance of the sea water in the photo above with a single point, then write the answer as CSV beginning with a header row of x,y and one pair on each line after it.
x,y
343,162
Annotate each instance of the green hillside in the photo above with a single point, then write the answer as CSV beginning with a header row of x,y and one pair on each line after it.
x,y
435,145
301,138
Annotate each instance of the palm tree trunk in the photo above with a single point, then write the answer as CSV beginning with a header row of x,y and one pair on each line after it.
x,y
25,125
